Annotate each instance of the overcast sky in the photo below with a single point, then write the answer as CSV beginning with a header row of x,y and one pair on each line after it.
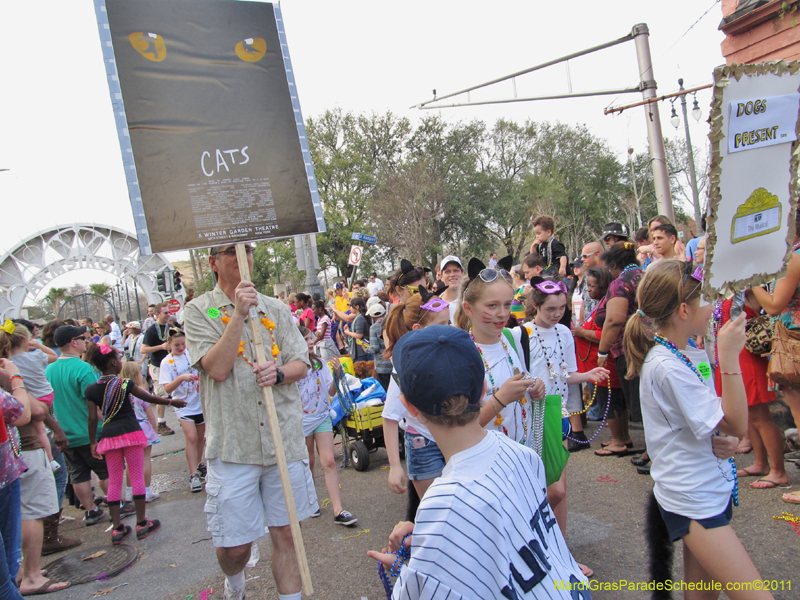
x,y
57,135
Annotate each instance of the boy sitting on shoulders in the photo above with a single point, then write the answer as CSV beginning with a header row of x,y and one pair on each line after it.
x,y
484,529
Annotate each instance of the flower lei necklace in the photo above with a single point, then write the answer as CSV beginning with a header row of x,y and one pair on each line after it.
x,y
115,391
661,340
269,325
499,419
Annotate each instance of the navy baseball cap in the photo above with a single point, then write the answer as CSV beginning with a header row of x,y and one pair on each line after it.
x,y
437,363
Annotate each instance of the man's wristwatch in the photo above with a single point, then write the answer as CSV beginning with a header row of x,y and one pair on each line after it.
x,y
279,375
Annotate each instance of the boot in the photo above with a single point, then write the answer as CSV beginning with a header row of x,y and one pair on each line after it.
x,y
53,541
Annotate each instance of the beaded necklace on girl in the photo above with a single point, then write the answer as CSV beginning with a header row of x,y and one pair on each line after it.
x,y
663,341
515,371
116,389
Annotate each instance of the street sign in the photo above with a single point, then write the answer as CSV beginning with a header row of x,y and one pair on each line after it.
x,y
370,239
174,306
355,255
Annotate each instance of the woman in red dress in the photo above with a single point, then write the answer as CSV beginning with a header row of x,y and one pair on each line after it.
x,y
587,338
765,437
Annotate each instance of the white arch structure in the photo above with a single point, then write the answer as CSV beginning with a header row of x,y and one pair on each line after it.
x,y
35,262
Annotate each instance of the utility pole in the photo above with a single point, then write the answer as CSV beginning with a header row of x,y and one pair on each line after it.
x,y
658,157
313,285
690,152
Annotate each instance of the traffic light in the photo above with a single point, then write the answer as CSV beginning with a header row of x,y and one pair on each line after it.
x,y
161,281
176,280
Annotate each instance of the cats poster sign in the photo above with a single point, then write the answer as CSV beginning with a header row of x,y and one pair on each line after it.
x,y
209,122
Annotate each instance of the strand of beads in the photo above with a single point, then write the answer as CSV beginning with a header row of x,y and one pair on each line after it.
x,y
403,554
587,407
17,450
602,424
113,395
659,339
680,355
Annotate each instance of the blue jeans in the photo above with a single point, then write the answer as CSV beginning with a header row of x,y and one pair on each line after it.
x,y
10,540
61,475
424,460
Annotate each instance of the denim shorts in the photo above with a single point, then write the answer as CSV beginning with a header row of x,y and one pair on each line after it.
x,y
678,525
424,460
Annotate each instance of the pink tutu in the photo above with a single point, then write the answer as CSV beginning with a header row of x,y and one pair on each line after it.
x,y
47,399
134,438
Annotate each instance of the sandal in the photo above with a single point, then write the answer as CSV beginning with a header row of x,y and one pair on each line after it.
x,y
768,484
792,498
639,461
746,472
45,588
628,445
607,452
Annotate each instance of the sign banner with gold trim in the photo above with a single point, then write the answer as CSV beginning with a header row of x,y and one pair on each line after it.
x,y
209,122
753,194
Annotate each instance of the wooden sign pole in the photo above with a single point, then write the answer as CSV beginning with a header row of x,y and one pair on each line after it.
x,y
277,441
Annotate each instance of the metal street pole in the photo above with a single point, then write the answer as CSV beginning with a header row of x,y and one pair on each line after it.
x,y
656,141
690,152
138,306
313,286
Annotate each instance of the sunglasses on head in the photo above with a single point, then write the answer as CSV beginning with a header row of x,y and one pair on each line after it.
x,y
488,275
232,251
551,287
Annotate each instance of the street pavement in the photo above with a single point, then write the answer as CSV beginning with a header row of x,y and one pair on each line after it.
x,y
605,531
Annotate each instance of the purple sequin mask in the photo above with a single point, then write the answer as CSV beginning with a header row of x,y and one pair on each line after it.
x,y
551,287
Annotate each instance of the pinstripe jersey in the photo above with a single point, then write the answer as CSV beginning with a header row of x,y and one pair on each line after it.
x,y
484,530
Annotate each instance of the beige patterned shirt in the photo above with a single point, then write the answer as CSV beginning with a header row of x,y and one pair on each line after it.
x,y
237,429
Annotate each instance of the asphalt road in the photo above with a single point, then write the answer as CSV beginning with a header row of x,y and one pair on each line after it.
x,y
605,531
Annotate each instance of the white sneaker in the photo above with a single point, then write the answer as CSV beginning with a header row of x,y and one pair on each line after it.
x,y
195,483
231,594
152,496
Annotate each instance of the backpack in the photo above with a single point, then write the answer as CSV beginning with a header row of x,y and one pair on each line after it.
x,y
524,340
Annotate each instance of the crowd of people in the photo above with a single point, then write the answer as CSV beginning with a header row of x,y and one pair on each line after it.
x,y
490,372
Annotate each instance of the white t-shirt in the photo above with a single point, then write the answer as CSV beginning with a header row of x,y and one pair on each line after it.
x,y
513,423
115,336
484,529
555,353
171,368
135,350
393,409
680,415
314,395
373,287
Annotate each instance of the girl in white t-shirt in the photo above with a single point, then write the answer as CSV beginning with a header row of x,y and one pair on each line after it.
x,y
484,311
424,460
552,359
695,487
181,382
316,389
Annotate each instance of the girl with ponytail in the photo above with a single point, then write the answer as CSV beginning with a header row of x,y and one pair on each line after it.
x,y
424,460
695,488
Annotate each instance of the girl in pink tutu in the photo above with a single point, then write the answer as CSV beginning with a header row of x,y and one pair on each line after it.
x,y
122,440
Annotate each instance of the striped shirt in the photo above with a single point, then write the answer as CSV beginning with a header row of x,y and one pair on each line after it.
x,y
484,530
324,319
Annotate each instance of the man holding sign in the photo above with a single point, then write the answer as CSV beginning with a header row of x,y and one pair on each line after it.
x,y
243,481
